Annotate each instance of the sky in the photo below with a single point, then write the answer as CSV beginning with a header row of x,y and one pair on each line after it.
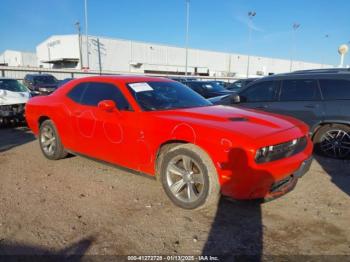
x,y
220,25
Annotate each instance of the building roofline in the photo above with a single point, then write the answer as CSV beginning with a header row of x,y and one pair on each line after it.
x,y
175,46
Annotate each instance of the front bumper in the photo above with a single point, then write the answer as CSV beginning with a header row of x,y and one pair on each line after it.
x,y
282,187
12,110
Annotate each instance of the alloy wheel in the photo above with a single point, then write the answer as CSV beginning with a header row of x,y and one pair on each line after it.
x,y
185,179
336,143
48,140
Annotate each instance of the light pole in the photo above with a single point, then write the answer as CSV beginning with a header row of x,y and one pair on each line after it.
x,y
86,34
293,51
77,25
187,29
326,36
251,14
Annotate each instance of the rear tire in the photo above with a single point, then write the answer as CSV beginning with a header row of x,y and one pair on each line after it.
x,y
333,141
50,142
189,177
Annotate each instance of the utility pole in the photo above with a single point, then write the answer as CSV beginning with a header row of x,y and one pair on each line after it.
x,y
323,59
99,55
251,14
86,34
187,29
293,50
77,24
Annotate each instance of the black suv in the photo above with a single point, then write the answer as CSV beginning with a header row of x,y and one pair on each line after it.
x,y
320,98
207,89
41,84
240,84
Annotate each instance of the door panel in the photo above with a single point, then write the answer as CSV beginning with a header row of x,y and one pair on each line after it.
x,y
108,136
300,98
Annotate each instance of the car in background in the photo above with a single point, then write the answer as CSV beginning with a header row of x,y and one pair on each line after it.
x,y
222,83
183,79
240,84
320,98
164,129
13,97
41,84
207,89
64,81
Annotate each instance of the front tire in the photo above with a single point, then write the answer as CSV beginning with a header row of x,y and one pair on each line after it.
x,y
50,142
333,141
189,177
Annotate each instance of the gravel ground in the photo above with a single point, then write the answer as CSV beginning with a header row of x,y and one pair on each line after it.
x,y
79,206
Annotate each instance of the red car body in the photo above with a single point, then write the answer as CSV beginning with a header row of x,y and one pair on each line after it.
x,y
132,139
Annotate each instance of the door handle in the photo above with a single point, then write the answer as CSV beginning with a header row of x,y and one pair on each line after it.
x,y
77,113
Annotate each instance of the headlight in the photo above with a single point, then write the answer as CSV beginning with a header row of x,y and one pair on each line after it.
x,y
42,89
261,154
275,152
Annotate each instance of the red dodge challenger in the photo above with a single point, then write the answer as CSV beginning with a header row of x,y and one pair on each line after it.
x,y
164,129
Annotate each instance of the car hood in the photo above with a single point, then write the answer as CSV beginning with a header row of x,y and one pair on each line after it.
x,y
217,99
249,123
11,98
220,93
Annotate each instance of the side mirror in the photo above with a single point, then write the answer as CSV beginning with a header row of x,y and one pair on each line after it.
x,y
235,99
107,105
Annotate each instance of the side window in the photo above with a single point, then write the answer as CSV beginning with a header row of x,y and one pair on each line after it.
x,y
335,89
96,92
299,90
196,87
260,92
76,92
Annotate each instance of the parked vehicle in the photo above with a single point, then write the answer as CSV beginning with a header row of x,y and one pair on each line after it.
x,y
207,89
162,128
183,79
41,84
320,98
64,81
13,97
240,84
222,83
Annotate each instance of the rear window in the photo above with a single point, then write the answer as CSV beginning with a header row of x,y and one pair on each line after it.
x,y
45,79
299,90
335,89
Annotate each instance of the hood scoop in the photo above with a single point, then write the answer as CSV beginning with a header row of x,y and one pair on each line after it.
x,y
238,119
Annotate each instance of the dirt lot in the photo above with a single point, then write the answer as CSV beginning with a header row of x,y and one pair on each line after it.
x,y
78,206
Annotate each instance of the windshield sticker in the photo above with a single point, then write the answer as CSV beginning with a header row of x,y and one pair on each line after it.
x,y
141,87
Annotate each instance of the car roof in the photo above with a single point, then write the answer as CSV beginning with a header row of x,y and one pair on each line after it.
x,y
310,75
39,74
126,78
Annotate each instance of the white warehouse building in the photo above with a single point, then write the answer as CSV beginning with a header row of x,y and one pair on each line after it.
x,y
109,54
18,58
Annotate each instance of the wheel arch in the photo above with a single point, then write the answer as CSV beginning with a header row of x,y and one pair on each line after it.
x,y
41,120
162,149
317,127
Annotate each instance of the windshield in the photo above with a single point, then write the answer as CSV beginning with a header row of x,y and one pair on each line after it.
x,y
45,80
235,86
214,86
12,85
165,95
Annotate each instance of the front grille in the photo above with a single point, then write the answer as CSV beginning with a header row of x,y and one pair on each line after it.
x,y
277,186
284,150
11,110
